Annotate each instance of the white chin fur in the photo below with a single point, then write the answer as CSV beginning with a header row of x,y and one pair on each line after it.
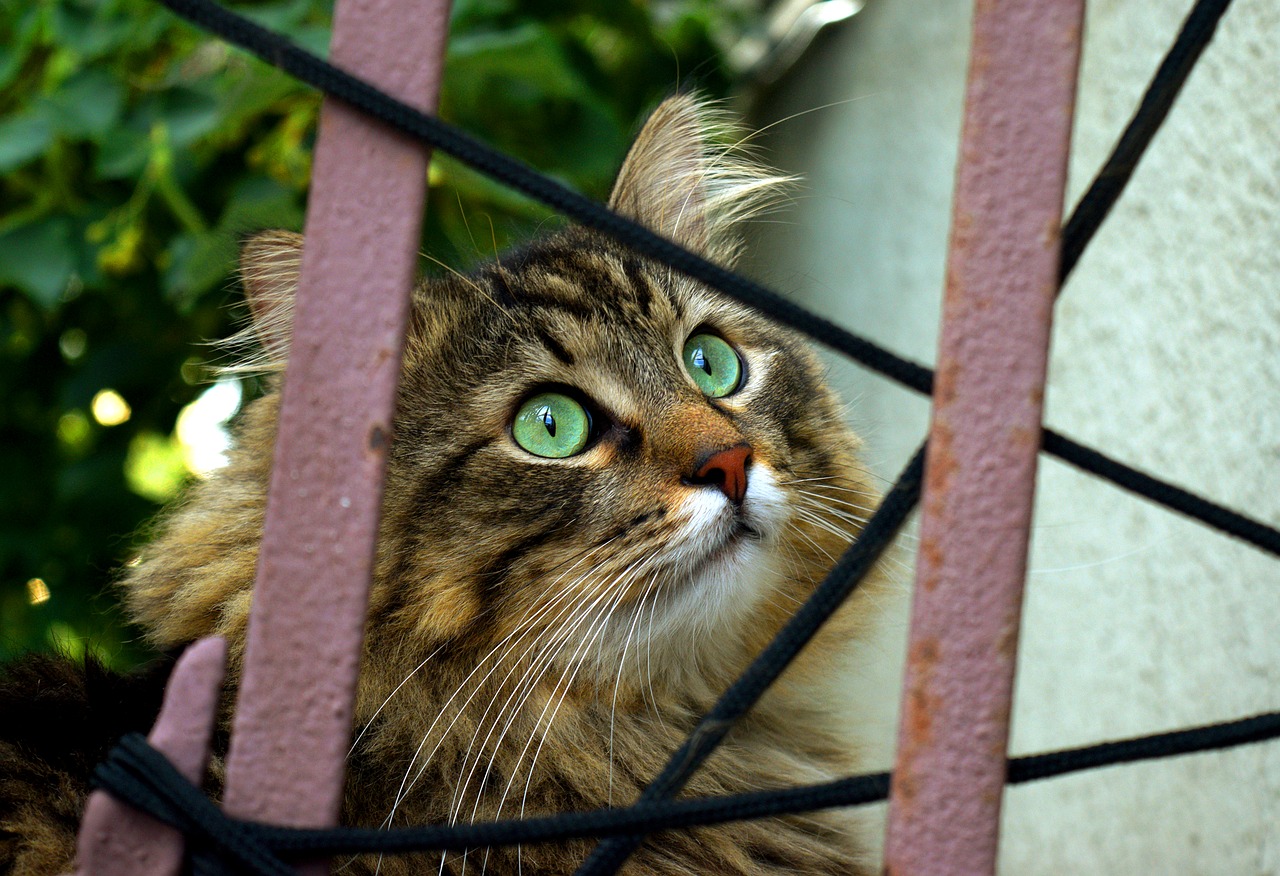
x,y
718,586
699,610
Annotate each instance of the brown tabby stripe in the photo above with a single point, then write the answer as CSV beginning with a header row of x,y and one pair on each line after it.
x,y
638,282
492,579
499,288
557,349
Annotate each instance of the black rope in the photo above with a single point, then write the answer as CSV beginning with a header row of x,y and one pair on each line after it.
x,y
279,52
1165,86
1162,492
140,775
1208,737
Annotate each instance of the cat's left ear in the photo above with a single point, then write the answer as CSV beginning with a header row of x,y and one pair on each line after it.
x,y
682,180
270,262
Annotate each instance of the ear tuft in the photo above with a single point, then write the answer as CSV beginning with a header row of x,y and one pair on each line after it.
x,y
689,178
270,262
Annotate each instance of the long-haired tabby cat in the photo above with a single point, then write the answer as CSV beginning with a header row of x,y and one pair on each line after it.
x,y
609,487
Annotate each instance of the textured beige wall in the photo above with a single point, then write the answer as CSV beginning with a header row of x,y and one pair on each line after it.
x,y
1166,355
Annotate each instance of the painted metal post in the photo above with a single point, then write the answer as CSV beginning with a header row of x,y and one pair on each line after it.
x,y
293,717
292,722
117,840
980,477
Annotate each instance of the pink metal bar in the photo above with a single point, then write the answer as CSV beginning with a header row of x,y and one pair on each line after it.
x,y
116,839
980,479
293,718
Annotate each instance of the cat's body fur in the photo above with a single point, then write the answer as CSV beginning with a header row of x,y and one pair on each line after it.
x,y
544,632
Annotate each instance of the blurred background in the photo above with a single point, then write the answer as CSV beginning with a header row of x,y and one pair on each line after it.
x,y
134,152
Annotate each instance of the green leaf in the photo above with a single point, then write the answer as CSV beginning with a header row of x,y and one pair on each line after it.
x,y
472,186
526,58
199,262
39,259
313,38
528,93
90,30
23,137
87,104
188,113
257,203
16,45
123,152
245,95
469,14
281,17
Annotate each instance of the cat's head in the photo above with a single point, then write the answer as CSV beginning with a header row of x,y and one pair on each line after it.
x,y
593,456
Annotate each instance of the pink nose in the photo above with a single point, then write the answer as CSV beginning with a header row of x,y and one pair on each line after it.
x,y
727,470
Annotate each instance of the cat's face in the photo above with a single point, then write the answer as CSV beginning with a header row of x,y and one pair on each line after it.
x,y
586,443
592,451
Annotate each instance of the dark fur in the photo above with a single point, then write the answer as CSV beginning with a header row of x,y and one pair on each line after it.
x,y
60,717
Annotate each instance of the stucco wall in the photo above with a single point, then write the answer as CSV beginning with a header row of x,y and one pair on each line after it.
x,y
1165,355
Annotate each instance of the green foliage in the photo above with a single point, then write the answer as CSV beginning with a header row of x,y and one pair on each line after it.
x,y
136,150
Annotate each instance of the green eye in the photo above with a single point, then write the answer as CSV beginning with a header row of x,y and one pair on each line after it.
x,y
713,365
552,425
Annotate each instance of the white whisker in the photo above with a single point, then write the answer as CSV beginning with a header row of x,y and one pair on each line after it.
x,y
378,711
608,590
617,682
522,628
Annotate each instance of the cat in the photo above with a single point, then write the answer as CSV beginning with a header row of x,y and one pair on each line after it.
x,y
609,486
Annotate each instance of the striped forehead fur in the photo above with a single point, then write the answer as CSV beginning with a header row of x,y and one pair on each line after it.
x,y
689,176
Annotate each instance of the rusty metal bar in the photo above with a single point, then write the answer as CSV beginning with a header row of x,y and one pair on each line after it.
x,y
293,718
117,840
980,476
